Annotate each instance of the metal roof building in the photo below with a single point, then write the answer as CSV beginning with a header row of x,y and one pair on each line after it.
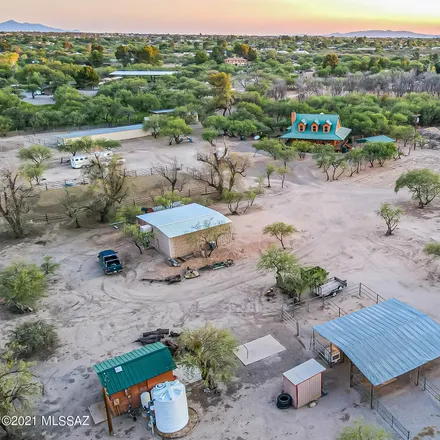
x,y
143,72
379,139
114,133
384,341
171,227
132,368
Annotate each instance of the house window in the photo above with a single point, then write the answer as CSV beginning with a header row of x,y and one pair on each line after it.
x,y
301,128
326,128
314,128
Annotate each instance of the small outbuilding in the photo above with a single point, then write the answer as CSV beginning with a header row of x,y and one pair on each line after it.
x,y
186,229
124,378
304,382
110,133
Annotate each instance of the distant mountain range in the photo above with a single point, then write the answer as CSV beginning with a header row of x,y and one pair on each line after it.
x,y
14,26
384,34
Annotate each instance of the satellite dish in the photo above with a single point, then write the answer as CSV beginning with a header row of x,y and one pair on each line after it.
x,y
256,137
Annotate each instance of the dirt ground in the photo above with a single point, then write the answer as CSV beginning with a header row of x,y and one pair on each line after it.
x,y
99,317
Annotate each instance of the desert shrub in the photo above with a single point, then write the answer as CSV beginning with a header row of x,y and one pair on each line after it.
x,y
33,339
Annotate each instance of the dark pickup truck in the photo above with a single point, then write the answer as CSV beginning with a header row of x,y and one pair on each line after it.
x,y
109,262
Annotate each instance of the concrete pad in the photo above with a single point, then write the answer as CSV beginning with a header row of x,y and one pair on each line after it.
x,y
97,411
259,349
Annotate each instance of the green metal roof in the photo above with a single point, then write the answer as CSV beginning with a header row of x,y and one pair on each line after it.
x,y
129,369
375,139
321,119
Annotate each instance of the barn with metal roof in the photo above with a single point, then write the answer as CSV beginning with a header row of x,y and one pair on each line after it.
x,y
383,341
186,229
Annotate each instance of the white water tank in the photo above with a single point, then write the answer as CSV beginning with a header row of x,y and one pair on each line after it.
x,y
170,406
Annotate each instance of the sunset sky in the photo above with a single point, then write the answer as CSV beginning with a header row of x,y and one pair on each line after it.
x,y
228,16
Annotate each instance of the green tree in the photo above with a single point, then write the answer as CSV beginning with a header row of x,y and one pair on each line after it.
x,y
83,145
109,185
16,200
127,214
96,58
210,135
287,155
123,55
18,389
280,231
355,158
153,125
391,215
48,266
270,169
282,171
200,57
243,128
211,351
36,153
176,129
330,60
139,238
217,54
423,184
222,89
406,134
5,125
22,283
35,339
168,199
87,77
148,55
362,431
270,146
279,261
233,200
73,206
32,173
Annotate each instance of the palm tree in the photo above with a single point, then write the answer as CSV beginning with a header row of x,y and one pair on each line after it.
x,y
211,350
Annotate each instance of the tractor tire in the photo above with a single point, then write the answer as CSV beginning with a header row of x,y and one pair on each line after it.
x,y
284,401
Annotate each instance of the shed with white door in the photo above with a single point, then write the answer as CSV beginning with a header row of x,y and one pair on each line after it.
x,y
304,382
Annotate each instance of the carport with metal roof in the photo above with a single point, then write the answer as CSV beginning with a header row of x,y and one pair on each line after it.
x,y
383,341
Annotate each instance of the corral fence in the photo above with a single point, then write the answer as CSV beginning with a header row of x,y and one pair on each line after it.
x,y
399,431
364,387
425,384
289,316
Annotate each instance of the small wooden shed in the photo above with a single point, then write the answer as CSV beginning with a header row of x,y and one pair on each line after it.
x,y
304,382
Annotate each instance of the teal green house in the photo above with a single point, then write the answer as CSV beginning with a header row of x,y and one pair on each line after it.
x,y
317,128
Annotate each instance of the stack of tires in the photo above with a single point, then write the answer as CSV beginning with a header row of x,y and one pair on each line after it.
x,y
284,401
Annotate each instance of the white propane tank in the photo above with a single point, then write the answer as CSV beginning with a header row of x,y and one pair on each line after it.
x,y
145,399
170,406
146,228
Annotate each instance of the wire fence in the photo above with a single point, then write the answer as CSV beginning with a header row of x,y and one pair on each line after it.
x,y
83,180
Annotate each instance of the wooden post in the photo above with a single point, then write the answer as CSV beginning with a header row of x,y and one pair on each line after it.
x,y
418,376
107,411
371,396
331,355
351,374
